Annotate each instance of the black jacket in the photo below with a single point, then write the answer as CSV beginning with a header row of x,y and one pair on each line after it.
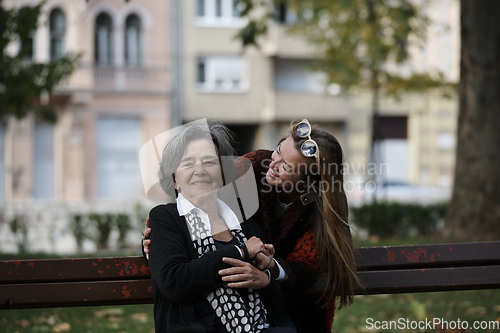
x,y
180,278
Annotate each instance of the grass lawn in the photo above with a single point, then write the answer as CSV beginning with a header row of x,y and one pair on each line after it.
x,y
105,319
469,306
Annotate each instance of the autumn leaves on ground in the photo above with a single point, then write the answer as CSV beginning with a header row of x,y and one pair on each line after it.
x,y
470,306
130,319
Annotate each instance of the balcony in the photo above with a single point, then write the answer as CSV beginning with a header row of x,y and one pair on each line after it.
x,y
108,79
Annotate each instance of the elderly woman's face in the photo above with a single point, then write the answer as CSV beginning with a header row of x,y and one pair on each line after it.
x,y
199,171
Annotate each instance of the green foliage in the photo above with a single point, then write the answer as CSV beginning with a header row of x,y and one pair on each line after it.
x,y
19,228
389,219
355,39
98,227
103,224
124,226
78,230
22,80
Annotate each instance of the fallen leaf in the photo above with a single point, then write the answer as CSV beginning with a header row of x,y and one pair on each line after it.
x,y
109,312
101,313
477,310
23,323
141,317
51,320
115,319
63,327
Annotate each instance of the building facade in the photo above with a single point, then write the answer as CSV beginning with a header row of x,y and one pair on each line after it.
x,y
147,66
259,92
116,100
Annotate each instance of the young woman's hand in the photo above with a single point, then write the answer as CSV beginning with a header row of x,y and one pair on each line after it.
x,y
265,260
254,247
146,242
243,275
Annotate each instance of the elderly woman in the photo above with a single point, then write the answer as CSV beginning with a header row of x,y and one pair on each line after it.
x,y
193,235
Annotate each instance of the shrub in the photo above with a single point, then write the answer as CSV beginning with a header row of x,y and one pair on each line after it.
x,y
19,227
388,219
124,226
103,223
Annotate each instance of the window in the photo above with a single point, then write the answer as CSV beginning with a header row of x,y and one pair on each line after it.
x,y
133,41
218,13
43,145
57,32
297,76
446,141
103,40
392,149
118,142
284,14
393,159
220,73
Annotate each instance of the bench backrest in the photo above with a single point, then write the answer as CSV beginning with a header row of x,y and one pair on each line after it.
x,y
126,280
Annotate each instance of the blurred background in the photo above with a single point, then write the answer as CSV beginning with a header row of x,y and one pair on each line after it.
x,y
70,182
146,66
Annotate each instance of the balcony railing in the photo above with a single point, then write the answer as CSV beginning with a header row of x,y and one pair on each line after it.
x,y
120,79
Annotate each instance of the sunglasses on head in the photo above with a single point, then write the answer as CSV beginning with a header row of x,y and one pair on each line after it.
x,y
303,130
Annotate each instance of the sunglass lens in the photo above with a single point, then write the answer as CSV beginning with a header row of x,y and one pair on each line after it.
x,y
302,129
309,148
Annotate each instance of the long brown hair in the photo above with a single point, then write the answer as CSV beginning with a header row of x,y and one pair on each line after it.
x,y
334,246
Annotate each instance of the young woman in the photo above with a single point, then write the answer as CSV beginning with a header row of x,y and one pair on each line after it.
x,y
193,235
303,212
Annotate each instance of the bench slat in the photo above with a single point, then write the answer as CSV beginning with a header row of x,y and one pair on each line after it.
x,y
422,280
431,255
78,269
126,280
431,279
369,258
34,295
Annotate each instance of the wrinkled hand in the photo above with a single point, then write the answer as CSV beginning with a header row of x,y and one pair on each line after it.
x,y
146,242
264,260
254,247
243,275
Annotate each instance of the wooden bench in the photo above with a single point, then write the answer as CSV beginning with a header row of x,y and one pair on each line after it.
x,y
126,280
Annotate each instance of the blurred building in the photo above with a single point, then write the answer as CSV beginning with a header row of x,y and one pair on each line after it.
x,y
147,65
258,93
117,100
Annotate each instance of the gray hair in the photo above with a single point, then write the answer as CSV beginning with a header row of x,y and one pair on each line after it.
x,y
172,154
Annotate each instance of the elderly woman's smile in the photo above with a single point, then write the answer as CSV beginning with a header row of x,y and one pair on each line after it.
x,y
199,171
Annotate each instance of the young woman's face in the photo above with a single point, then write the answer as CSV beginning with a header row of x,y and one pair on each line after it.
x,y
199,171
284,169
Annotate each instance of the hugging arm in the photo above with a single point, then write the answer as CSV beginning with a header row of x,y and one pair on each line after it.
x,y
175,272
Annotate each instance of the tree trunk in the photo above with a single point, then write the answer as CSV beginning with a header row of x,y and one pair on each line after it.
x,y
474,212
